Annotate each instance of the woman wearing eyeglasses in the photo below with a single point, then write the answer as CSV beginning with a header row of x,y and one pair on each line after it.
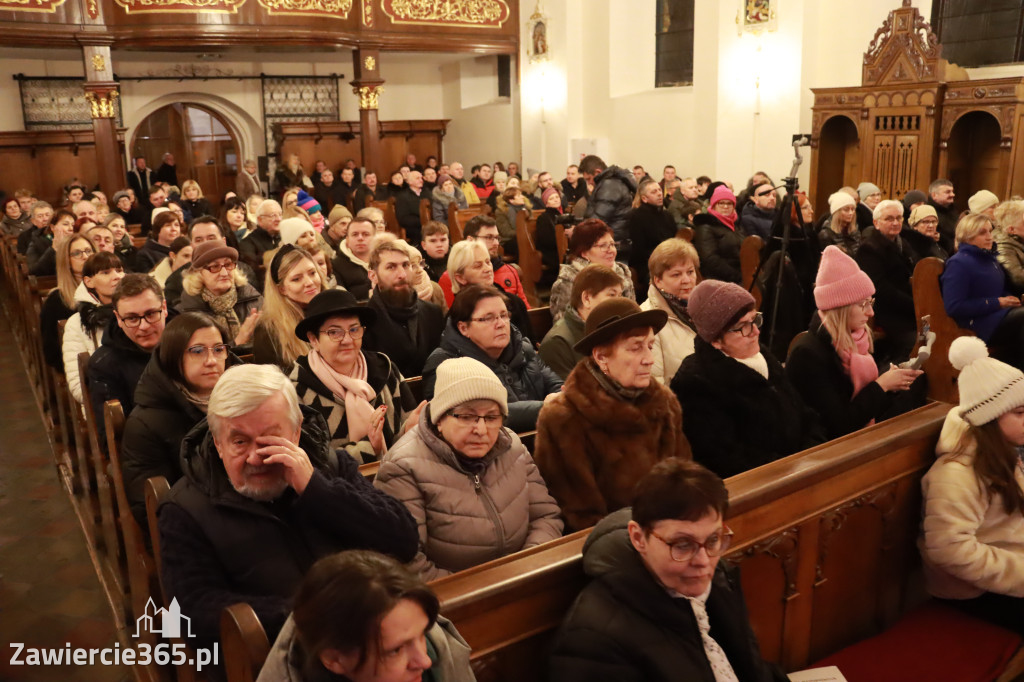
x,y
42,250
739,409
358,392
479,326
1010,240
592,241
60,304
832,365
101,274
469,482
214,285
170,399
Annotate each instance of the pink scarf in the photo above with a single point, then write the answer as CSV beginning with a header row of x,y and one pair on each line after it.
x,y
353,391
860,367
729,222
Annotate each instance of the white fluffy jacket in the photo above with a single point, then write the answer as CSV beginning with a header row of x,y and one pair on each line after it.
x,y
76,340
969,544
463,523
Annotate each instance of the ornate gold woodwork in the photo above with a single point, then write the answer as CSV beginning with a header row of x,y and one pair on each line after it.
x,y
98,62
370,63
49,6
92,7
478,13
368,13
334,9
101,103
368,95
171,6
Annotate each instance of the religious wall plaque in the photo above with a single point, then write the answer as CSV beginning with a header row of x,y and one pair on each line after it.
x,y
475,13
31,5
334,9
168,6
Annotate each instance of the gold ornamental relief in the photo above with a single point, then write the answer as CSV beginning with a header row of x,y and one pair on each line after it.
x,y
368,95
169,6
477,13
335,9
370,63
101,106
98,62
49,6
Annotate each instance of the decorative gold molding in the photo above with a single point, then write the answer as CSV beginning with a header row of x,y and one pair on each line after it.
x,y
368,95
476,13
173,6
48,6
93,8
102,105
368,13
370,63
333,9
98,62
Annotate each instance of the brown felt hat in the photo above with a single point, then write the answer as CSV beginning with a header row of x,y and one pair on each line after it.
x,y
614,316
207,252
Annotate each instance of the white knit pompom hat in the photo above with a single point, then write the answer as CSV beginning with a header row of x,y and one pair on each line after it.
x,y
460,380
988,388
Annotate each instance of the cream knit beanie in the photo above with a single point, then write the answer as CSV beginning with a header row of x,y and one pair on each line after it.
x,y
988,388
460,380
839,200
982,200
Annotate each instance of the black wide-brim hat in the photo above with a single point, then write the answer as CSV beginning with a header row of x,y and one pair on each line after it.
x,y
332,303
614,316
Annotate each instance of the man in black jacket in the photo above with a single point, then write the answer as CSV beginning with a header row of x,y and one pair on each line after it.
x,y
611,200
940,197
261,499
407,329
40,216
266,236
114,369
659,606
407,207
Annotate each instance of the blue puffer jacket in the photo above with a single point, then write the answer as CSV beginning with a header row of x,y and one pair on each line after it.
x,y
972,283
525,376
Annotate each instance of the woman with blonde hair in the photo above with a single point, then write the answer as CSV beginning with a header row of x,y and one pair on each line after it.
x,y
214,285
1010,240
293,279
841,228
72,254
674,273
192,199
470,263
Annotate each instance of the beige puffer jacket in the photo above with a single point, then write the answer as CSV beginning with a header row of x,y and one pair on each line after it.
x,y
969,544
673,344
465,520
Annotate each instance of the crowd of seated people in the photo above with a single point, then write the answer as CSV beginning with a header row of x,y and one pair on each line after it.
x,y
346,323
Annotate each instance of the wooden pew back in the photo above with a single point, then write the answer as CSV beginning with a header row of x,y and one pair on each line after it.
x,y
390,217
750,259
458,217
928,301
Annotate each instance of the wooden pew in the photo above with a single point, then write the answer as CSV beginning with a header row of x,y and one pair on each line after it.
x,y
529,257
928,301
750,259
685,233
458,217
540,322
390,217
244,642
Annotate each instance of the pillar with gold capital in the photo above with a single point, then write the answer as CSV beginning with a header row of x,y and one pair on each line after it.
x,y
368,85
102,93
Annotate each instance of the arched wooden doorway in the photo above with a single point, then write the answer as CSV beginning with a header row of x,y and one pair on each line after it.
x,y
204,146
838,159
974,155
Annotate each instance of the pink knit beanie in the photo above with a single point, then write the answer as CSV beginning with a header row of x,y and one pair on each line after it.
x,y
722,193
840,281
547,193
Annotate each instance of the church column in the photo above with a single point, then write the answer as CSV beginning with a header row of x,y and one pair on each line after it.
x,y
101,91
368,85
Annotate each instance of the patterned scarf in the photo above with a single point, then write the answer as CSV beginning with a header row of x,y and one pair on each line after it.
x,y
351,391
717,659
223,308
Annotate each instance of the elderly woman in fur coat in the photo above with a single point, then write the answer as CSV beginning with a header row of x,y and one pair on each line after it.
x,y
612,421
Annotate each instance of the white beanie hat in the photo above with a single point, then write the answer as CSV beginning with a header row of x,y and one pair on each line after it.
x,y
988,388
839,200
982,200
460,380
866,189
293,228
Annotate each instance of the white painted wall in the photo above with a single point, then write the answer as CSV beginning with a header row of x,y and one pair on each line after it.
x,y
486,132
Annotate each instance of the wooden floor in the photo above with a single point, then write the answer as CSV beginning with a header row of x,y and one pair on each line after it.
x,y
49,591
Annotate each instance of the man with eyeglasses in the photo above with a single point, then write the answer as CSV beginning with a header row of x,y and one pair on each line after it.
x,y
922,234
407,328
660,607
140,313
266,236
484,229
759,212
888,260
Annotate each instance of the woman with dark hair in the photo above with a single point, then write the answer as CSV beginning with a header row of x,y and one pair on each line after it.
x,y
648,225
84,330
178,257
60,304
15,220
166,228
234,221
42,250
362,616
170,399
592,241
974,492
479,327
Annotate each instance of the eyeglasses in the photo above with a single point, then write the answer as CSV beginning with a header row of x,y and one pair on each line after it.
x,y
338,334
380,222
686,548
470,420
492,318
608,246
272,216
150,316
488,238
214,268
866,303
81,253
203,352
747,328
928,221
891,219
764,193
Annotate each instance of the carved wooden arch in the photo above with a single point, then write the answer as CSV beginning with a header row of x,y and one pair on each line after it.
x,y
903,50
824,117
1004,114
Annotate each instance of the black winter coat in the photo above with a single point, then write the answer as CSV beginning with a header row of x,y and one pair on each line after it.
x,y
521,371
41,256
407,210
26,237
352,276
114,372
865,217
198,207
736,420
150,255
890,266
948,218
922,246
648,226
718,248
612,200
405,334
547,244
52,312
625,627
255,244
219,547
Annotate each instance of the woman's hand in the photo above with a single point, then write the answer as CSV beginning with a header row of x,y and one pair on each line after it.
x,y
897,379
1009,302
376,434
248,327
